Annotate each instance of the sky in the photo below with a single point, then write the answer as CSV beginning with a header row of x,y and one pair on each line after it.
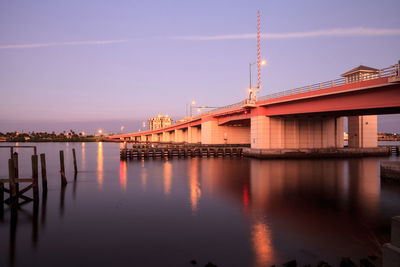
x,y
85,65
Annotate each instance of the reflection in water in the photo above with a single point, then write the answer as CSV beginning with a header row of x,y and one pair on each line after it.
x,y
122,174
194,185
62,200
250,212
27,216
83,154
100,174
261,240
366,187
144,176
167,177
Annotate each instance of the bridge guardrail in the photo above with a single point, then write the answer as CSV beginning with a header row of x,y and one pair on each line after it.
x,y
393,70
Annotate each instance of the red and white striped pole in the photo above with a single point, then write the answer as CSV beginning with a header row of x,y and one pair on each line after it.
x,y
258,52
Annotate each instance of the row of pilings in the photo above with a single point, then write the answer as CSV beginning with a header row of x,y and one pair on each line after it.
x,y
144,151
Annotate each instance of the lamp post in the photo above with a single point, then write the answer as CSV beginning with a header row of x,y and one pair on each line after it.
x,y
251,91
191,108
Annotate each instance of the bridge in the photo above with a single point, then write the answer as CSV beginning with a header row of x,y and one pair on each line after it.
x,y
307,117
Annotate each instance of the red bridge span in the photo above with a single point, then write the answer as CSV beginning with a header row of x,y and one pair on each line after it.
x,y
309,117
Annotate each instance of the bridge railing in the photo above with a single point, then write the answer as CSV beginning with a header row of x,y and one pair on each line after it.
x,y
390,71
393,70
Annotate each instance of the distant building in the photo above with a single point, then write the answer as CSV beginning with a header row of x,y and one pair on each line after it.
x,y
360,73
159,122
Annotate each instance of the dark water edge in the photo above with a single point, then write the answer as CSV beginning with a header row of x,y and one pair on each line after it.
x,y
232,212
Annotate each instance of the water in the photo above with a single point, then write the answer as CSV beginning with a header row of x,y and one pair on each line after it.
x,y
232,212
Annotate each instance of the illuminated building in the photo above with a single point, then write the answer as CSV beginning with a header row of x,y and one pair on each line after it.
x,y
159,122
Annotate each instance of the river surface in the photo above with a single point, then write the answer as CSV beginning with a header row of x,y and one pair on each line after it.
x,y
229,211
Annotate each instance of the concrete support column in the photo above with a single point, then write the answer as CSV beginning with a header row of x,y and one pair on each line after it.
x,y
212,133
294,133
185,135
143,138
154,138
178,136
363,131
209,133
260,132
277,132
291,130
339,132
166,137
193,134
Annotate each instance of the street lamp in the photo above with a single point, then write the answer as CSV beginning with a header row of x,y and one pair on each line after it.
x,y
191,108
251,91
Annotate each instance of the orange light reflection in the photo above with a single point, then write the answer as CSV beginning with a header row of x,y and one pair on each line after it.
x,y
194,185
83,159
167,178
144,177
261,239
122,174
100,174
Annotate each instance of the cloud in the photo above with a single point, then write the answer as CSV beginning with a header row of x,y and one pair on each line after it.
x,y
20,46
339,32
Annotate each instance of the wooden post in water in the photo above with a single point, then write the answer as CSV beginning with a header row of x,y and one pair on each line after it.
x,y
16,172
74,155
35,177
62,169
44,172
1,201
11,177
1,194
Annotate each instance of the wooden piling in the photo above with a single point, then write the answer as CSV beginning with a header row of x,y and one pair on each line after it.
x,y
44,172
11,177
16,170
74,155
1,201
35,175
62,169
1,195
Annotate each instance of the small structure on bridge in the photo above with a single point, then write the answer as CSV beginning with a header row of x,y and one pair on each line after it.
x,y
360,73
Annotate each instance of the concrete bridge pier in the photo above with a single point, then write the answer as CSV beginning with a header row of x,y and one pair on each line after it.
x,y
178,134
213,133
155,138
166,137
296,132
363,131
194,134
